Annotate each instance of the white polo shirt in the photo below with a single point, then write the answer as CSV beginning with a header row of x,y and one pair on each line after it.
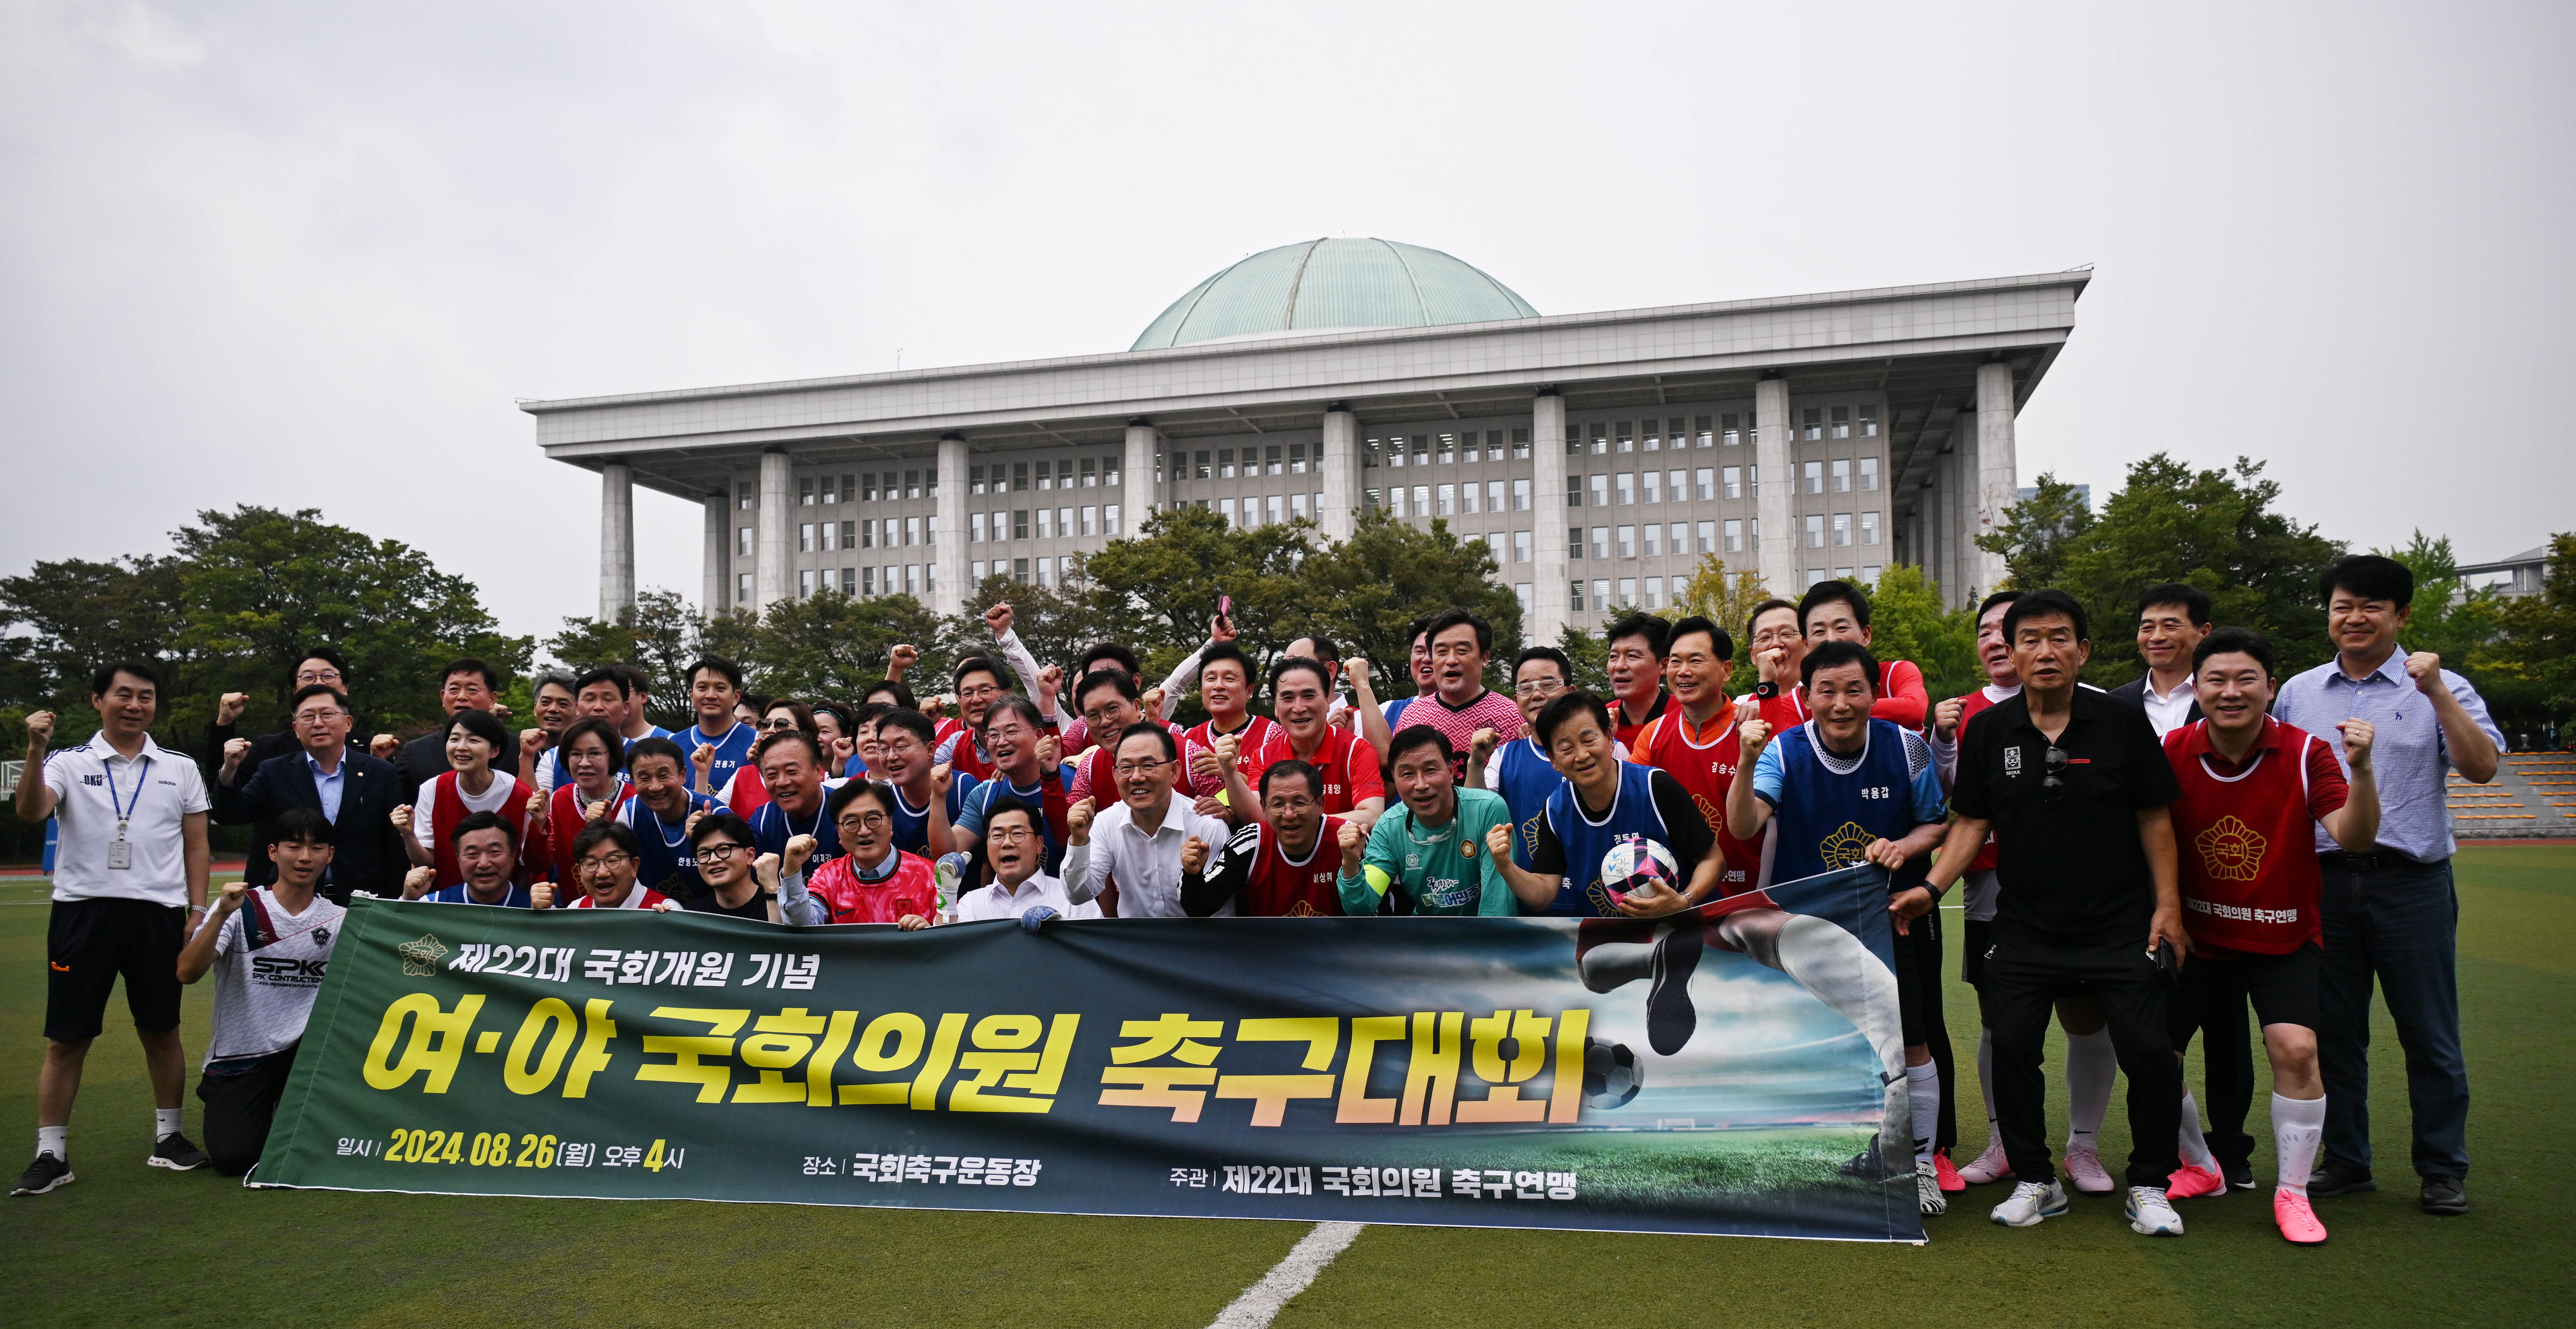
x,y
987,903
1147,868
157,789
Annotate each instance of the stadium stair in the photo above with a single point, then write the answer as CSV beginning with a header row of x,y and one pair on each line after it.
x,y
2532,797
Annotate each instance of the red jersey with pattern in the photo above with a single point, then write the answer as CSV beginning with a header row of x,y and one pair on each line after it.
x,y
1706,767
1282,887
1490,710
1979,700
1095,774
1250,740
1347,762
565,820
905,886
447,807
2247,836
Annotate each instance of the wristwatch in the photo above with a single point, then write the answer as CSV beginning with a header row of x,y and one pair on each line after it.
x,y
1766,689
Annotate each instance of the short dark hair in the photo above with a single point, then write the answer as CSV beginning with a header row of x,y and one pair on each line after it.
x,y
868,713
770,741
1564,666
1719,643
603,674
328,656
480,723
1754,617
1290,766
2051,603
1226,650
652,745
636,680
1012,703
853,790
104,677
1324,647
1416,736
1652,627
731,823
1831,654
484,821
1998,598
895,688
599,727
1118,679
312,690
1566,706
1299,664
466,664
732,672
840,713
2194,601
2235,641
1832,592
979,664
1114,652
1152,729
611,831
911,722
1458,615
1006,805
307,825
757,701
2370,576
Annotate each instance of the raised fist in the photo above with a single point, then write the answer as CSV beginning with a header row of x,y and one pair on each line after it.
x,y
234,750
383,747
542,895
1077,822
942,776
536,805
40,727
799,849
1357,668
1220,628
702,759
2357,738
1152,702
535,741
1050,753
1193,854
417,882
998,618
1482,744
1498,841
1050,680
2426,669
234,893
1756,735
1351,841
764,869
400,816
935,707
1228,749
500,712
904,656
230,708
1945,717
597,811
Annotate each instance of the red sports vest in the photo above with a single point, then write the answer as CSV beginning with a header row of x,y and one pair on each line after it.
x,y
1708,772
447,807
1281,889
566,821
2248,844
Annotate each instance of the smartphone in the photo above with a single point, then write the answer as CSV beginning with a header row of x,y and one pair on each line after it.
x,y
1225,608
2163,955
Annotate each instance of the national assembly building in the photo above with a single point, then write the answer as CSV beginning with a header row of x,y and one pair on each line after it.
x,y
1601,456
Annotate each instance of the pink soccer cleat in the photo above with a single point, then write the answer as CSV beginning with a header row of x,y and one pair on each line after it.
x,y
1947,1175
1991,1165
2191,1181
2084,1168
2298,1222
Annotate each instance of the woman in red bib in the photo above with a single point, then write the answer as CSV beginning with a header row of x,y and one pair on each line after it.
x,y
2253,790
472,739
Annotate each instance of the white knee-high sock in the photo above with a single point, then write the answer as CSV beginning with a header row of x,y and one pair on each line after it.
x,y
1986,1081
1923,1092
2297,1125
1831,964
2090,1067
2193,1147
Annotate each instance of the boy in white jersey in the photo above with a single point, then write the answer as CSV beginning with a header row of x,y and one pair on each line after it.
x,y
268,947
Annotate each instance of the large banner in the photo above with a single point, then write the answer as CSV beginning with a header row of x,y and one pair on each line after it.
x,y
1674,1076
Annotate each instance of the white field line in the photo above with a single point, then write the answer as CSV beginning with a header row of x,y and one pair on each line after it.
x,y
1262,1302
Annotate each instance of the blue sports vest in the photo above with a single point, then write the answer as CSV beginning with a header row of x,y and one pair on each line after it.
x,y
1632,812
1527,782
1825,819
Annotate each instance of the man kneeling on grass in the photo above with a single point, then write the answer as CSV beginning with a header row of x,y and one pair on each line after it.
x,y
268,946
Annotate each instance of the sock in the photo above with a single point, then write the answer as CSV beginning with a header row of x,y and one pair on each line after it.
x,y
165,1123
1986,1084
1923,1087
2193,1147
2297,1125
56,1140
2090,1067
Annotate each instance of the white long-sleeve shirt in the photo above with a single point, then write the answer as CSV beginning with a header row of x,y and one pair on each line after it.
x,y
1148,867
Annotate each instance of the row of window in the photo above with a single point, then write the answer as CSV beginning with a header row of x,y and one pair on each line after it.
x,y
1051,523
1836,476
1648,592
1442,449
1447,500
1019,570
917,579
1062,473
1687,538
1220,463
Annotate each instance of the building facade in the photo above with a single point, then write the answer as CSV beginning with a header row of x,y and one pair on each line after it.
x,y
1601,456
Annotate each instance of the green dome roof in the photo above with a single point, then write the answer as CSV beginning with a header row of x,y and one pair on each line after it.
x,y
1319,284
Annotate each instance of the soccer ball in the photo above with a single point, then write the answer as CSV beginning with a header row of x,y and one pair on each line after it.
x,y
1634,862
1611,1075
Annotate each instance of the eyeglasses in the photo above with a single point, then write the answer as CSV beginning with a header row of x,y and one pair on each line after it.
x,y
1545,687
717,853
862,821
1009,835
978,693
606,863
318,717
1140,767
2052,786
1291,803
772,726
309,677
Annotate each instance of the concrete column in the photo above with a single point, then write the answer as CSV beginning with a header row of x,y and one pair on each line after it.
x,y
1142,496
1998,468
717,595
949,593
1340,463
1777,555
616,540
771,581
1549,607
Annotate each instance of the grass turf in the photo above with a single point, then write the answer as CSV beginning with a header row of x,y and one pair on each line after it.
x,y
129,1244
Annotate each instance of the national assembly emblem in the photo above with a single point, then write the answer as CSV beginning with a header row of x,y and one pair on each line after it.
x,y
420,958
2230,850
1847,847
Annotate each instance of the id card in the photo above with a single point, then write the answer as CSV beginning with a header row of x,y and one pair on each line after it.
x,y
120,854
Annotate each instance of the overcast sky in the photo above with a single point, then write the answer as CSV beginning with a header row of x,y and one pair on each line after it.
x,y
307,256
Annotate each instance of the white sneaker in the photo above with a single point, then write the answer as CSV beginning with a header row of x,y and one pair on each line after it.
x,y
2030,1203
2084,1168
1927,1188
2150,1214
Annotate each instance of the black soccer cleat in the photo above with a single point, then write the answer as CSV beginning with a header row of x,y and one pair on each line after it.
x,y
1670,1017
46,1173
175,1153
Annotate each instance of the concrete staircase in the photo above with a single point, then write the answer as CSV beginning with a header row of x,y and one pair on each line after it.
x,y
2532,797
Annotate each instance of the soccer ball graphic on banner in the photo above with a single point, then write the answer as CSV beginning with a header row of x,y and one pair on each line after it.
x,y
1611,1075
1634,862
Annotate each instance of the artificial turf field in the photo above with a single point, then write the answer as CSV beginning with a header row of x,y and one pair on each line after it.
x,y
130,1245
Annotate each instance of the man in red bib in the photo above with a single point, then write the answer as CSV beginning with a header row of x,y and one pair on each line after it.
x,y
1694,739
1282,866
1301,695
2253,790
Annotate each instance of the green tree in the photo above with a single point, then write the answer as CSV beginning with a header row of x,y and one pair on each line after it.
x,y
1368,589
1907,622
833,645
1163,583
75,615
2036,533
660,634
1589,653
1057,623
1726,599
2533,657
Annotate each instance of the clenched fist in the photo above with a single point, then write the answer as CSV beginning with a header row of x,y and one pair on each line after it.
x,y
1352,840
799,849
383,747
541,895
401,816
1193,855
904,656
1756,735
230,708
1077,822
1945,717
1498,841
417,882
40,728
1482,745
2426,669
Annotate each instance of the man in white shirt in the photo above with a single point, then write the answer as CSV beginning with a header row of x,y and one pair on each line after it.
x,y
269,947
1141,836
1015,846
129,881
2172,619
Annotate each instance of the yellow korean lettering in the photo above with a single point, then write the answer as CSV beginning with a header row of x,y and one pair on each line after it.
x,y
597,1029
893,1042
779,1043
1357,1108
436,1044
1157,1087
818,1070
1503,1102
1173,1035
548,1014
685,1049
1565,1096
935,1067
1431,1076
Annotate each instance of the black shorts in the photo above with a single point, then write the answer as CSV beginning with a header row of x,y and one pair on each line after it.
x,y
2284,989
88,943
1976,934
1918,978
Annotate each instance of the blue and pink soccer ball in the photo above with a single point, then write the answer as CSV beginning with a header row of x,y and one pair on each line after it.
x,y
1633,863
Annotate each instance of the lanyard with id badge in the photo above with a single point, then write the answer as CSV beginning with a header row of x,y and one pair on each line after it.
x,y
120,851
